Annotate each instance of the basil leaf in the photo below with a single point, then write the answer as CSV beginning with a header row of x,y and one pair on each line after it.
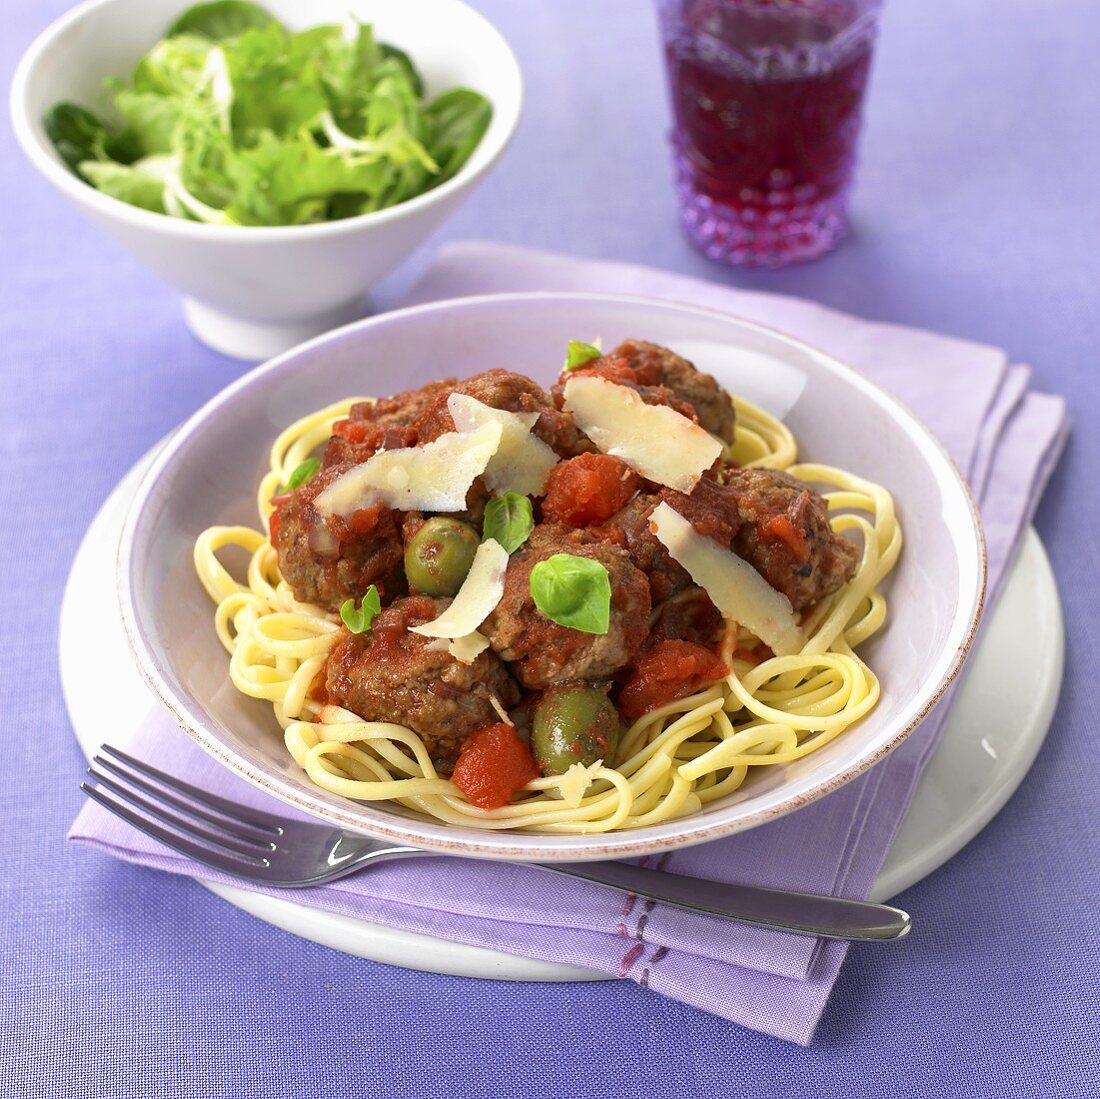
x,y
303,472
220,19
358,620
509,519
577,354
574,592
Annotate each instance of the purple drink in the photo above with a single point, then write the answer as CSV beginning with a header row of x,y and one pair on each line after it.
x,y
766,96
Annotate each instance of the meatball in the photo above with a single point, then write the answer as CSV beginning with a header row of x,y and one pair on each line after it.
x,y
511,393
391,674
687,616
658,366
711,509
785,535
545,653
327,560
381,425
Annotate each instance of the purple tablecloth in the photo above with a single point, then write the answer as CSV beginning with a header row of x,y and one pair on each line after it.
x,y
976,216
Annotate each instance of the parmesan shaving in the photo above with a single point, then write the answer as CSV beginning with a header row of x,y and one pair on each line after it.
x,y
522,461
434,477
502,713
573,785
660,443
466,649
734,586
476,599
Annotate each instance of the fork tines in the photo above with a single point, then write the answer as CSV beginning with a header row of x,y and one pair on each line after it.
x,y
180,815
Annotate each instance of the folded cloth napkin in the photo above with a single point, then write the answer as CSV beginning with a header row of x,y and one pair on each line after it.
x,y
1004,436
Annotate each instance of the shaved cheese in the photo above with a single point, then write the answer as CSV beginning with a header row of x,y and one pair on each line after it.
x,y
522,461
467,649
573,785
734,586
433,477
476,599
502,713
657,441
464,649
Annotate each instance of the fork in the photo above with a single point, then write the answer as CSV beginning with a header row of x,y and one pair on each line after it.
x,y
278,852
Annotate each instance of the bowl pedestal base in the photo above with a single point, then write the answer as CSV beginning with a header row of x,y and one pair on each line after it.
x,y
259,340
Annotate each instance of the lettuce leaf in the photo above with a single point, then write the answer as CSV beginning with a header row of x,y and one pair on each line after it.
x,y
220,19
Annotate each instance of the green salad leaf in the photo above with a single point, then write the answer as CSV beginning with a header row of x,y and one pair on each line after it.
x,y
403,60
77,135
246,122
573,591
509,519
139,184
220,19
359,619
457,121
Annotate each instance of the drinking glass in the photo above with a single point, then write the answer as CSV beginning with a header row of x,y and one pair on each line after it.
x,y
766,98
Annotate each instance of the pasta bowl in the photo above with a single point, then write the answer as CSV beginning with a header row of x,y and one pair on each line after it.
x,y
208,474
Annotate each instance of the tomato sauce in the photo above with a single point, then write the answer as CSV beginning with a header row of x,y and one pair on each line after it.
x,y
666,672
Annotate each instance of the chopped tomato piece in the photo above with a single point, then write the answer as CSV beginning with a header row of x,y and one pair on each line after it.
x,y
668,671
355,431
364,520
780,528
274,523
494,764
588,489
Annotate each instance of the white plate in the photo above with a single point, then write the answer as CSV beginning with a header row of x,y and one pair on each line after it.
x,y
997,725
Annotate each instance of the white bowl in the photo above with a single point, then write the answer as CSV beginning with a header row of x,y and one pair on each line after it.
x,y
209,470
249,291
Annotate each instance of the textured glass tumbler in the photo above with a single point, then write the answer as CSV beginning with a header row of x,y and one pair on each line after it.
x,y
766,101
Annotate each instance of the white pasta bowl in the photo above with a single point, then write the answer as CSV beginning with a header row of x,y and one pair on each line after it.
x,y
249,291
209,471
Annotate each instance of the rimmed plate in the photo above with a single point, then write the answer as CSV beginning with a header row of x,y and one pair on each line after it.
x,y
996,727
208,471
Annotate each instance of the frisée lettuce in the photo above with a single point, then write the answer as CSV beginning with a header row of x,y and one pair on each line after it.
x,y
234,119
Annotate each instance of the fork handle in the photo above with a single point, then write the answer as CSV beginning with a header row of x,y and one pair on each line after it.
x,y
781,909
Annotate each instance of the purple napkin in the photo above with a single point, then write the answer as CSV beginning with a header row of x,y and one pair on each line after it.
x,y
1005,437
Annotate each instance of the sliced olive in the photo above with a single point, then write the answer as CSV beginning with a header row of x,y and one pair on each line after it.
x,y
439,556
573,725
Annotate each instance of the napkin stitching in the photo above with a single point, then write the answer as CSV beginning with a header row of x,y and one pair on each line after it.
x,y
638,948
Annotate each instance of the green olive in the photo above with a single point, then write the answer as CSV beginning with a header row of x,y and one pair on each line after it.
x,y
573,725
439,556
